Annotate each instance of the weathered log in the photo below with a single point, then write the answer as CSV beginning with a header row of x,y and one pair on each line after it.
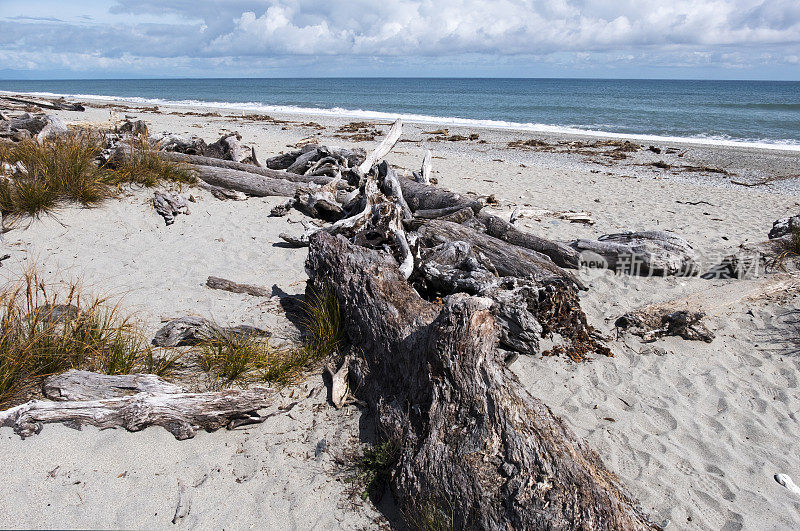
x,y
249,168
182,414
784,227
55,105
426,197
436,213
190,330
655,253
473,443
233,287
246,182
42,127
169,204
499,257
562,254
284,160
85,385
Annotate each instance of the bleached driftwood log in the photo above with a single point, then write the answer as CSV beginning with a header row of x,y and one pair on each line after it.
x,y
655,253
54,105
652,324
190,330
383,148
182,414
473,443
198,160
246,182
233,287
85,385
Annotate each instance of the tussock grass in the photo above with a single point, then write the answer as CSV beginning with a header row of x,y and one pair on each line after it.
x,y
45,331
145,166
243,358
58,170
322,323
65,169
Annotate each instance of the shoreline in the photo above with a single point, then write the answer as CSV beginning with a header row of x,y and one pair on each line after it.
x,y
443,121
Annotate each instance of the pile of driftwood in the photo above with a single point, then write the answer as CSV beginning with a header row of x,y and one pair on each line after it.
x,y
438,296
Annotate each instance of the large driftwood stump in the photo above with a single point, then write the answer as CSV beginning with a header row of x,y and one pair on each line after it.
x,y
181,414
472,440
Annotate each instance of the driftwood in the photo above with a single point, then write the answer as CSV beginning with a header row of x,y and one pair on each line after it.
x,y
40,126
223,194
494,254
233,287
182,414
652,325
246,182
169,204
425,197
189,330
562,254
197,160
85,385
784,227
653,253
473,443
57,105
383,148
424,175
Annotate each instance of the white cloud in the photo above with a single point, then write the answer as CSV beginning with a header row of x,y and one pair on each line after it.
x,y
401,30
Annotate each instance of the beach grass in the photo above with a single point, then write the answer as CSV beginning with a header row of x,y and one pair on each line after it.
x,y
144,165
47,329
65,169
322,323
248,358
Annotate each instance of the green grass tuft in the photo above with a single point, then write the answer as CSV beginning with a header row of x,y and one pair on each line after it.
x,y
322,323
373,467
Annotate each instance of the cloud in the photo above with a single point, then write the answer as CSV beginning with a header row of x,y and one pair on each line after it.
x,y
240,32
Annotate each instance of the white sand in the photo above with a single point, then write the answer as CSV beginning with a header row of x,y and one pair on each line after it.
x,y
697,433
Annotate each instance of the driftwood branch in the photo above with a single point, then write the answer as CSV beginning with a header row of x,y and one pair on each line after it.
x,y
383,148
233,287
182,414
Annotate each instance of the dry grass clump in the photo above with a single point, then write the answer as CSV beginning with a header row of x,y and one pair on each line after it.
x,y
65,169
44,332
247,358
144,165
58,170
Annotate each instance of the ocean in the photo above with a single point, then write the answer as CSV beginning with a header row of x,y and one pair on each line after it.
x,y
765,113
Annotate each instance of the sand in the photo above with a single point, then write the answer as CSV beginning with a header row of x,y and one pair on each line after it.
x,y
695,431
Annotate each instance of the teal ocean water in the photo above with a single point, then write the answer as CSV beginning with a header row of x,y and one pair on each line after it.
x,y
761,112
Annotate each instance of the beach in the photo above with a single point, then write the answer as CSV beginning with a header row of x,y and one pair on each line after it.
x,y
695,431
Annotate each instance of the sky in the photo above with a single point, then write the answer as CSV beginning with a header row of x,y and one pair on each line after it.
x,y
696,39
